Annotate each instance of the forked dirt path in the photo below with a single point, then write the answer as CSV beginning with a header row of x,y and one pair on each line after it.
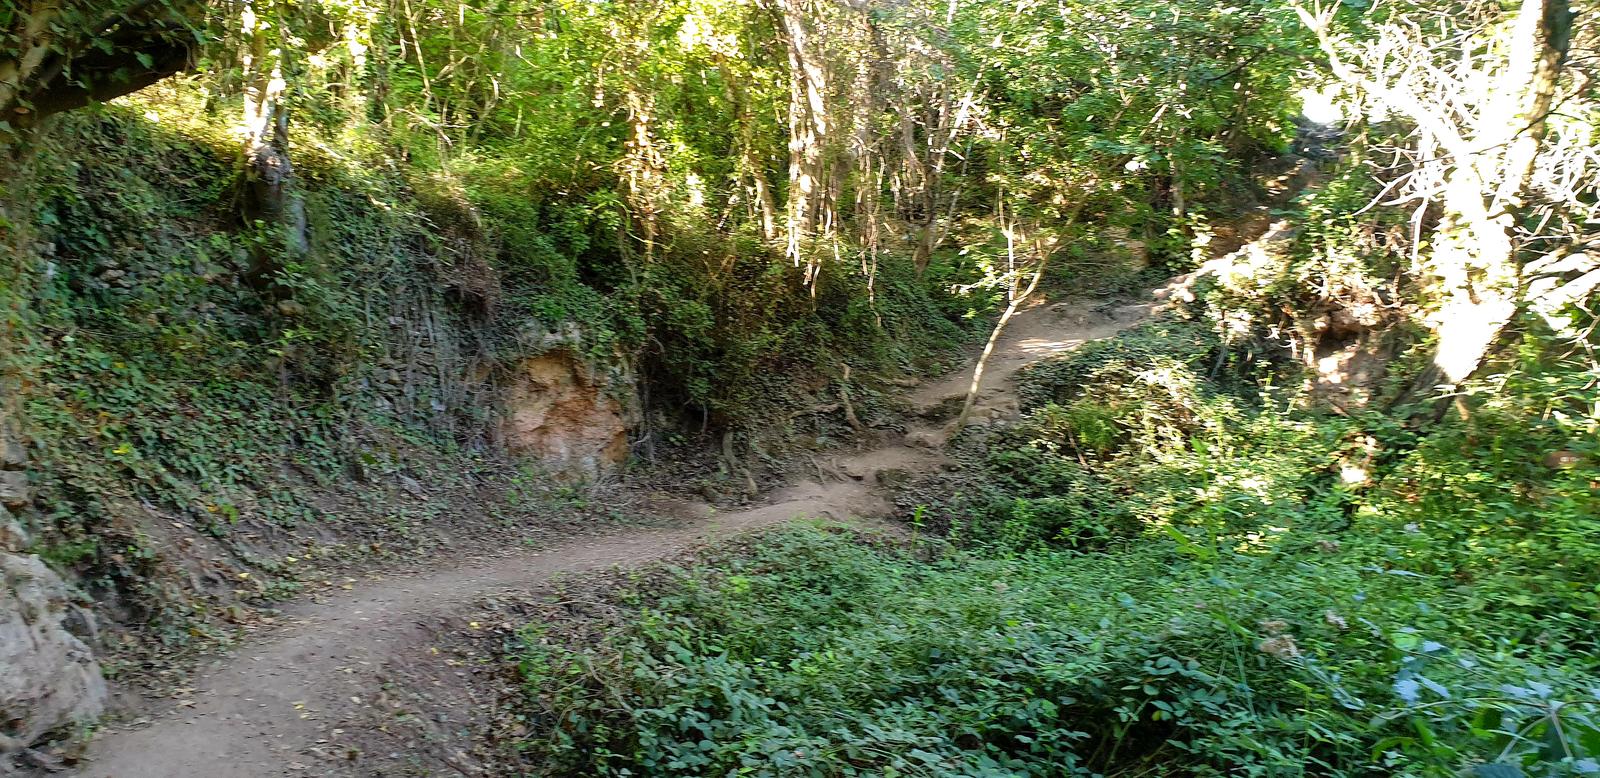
x,y
266,709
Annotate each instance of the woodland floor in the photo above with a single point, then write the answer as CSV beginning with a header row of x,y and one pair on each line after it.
x,y
357,684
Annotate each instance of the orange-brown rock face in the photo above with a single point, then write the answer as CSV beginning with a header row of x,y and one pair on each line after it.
x,y
558,413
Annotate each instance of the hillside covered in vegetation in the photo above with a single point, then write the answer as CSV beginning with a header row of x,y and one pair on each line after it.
x,y
321,321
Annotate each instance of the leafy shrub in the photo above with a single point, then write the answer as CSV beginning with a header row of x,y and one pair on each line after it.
x,y
812,653
1039,497
1066,474
1145,581
1061,379
1506,502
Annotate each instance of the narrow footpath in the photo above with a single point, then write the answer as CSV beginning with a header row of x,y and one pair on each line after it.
x,y
263,709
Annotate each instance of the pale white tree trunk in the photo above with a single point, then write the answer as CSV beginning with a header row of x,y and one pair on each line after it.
x,y
1017,294
1489,158
809,130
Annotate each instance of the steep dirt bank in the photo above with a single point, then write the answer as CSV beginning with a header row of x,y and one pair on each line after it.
x,y
296,701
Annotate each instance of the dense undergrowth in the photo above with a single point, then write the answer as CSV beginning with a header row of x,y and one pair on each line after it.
x,y
1182,560
1335,516
1182,586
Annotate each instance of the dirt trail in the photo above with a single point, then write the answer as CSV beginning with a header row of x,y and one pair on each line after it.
x,y
267,709
1032,335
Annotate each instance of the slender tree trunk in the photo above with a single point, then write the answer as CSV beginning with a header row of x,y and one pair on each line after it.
x,y
808,132
1474,259
983,362
1019,294
268,175
643,165
766,208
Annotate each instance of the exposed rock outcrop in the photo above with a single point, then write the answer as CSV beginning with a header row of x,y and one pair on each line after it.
x,y
1345,350
49,680
559,412
13,488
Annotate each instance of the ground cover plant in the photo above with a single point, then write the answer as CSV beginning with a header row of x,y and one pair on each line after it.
x,y
1237,609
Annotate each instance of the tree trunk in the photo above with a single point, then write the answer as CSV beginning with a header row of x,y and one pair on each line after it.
x,y
1474,279
1019,295
766,209
643,168
56,68
268,177
19,69
808,132
1474,257
983,361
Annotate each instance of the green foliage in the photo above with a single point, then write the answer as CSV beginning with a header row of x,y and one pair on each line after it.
x,y
599,165
1168,567
156,379
811,653
1153,578
60,55
1140,439
1190,344
1061,72
1506,502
